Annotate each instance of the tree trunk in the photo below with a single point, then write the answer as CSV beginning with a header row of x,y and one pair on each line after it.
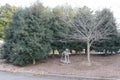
x,y
33,59
34,62
88,52
53,55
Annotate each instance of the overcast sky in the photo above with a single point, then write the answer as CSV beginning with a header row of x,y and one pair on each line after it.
x,y
114,5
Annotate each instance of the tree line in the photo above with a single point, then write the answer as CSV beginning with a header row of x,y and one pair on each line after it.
x,y
30,33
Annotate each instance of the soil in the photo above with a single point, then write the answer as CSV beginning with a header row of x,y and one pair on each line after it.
x,y
101,66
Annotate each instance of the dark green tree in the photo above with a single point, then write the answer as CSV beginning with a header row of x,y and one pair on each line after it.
x,y
60,28
28,37
108,45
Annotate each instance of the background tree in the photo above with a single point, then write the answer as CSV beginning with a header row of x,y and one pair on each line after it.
x,y
59,27
90,28
64,11
6,13
108,45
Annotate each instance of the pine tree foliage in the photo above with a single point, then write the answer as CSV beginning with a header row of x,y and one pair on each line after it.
x,y
28,37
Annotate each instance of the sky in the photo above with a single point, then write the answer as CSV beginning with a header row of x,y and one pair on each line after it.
x,y
114,5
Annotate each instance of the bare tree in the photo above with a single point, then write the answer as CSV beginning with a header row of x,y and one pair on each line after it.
x,y
88,27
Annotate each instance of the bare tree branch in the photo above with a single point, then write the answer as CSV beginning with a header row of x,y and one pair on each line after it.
x,y
89,28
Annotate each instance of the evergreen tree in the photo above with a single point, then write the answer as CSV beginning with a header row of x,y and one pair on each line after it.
x,y
28,37
6,13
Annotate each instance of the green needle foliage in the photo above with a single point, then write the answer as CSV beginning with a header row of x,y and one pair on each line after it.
x,y
28,37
